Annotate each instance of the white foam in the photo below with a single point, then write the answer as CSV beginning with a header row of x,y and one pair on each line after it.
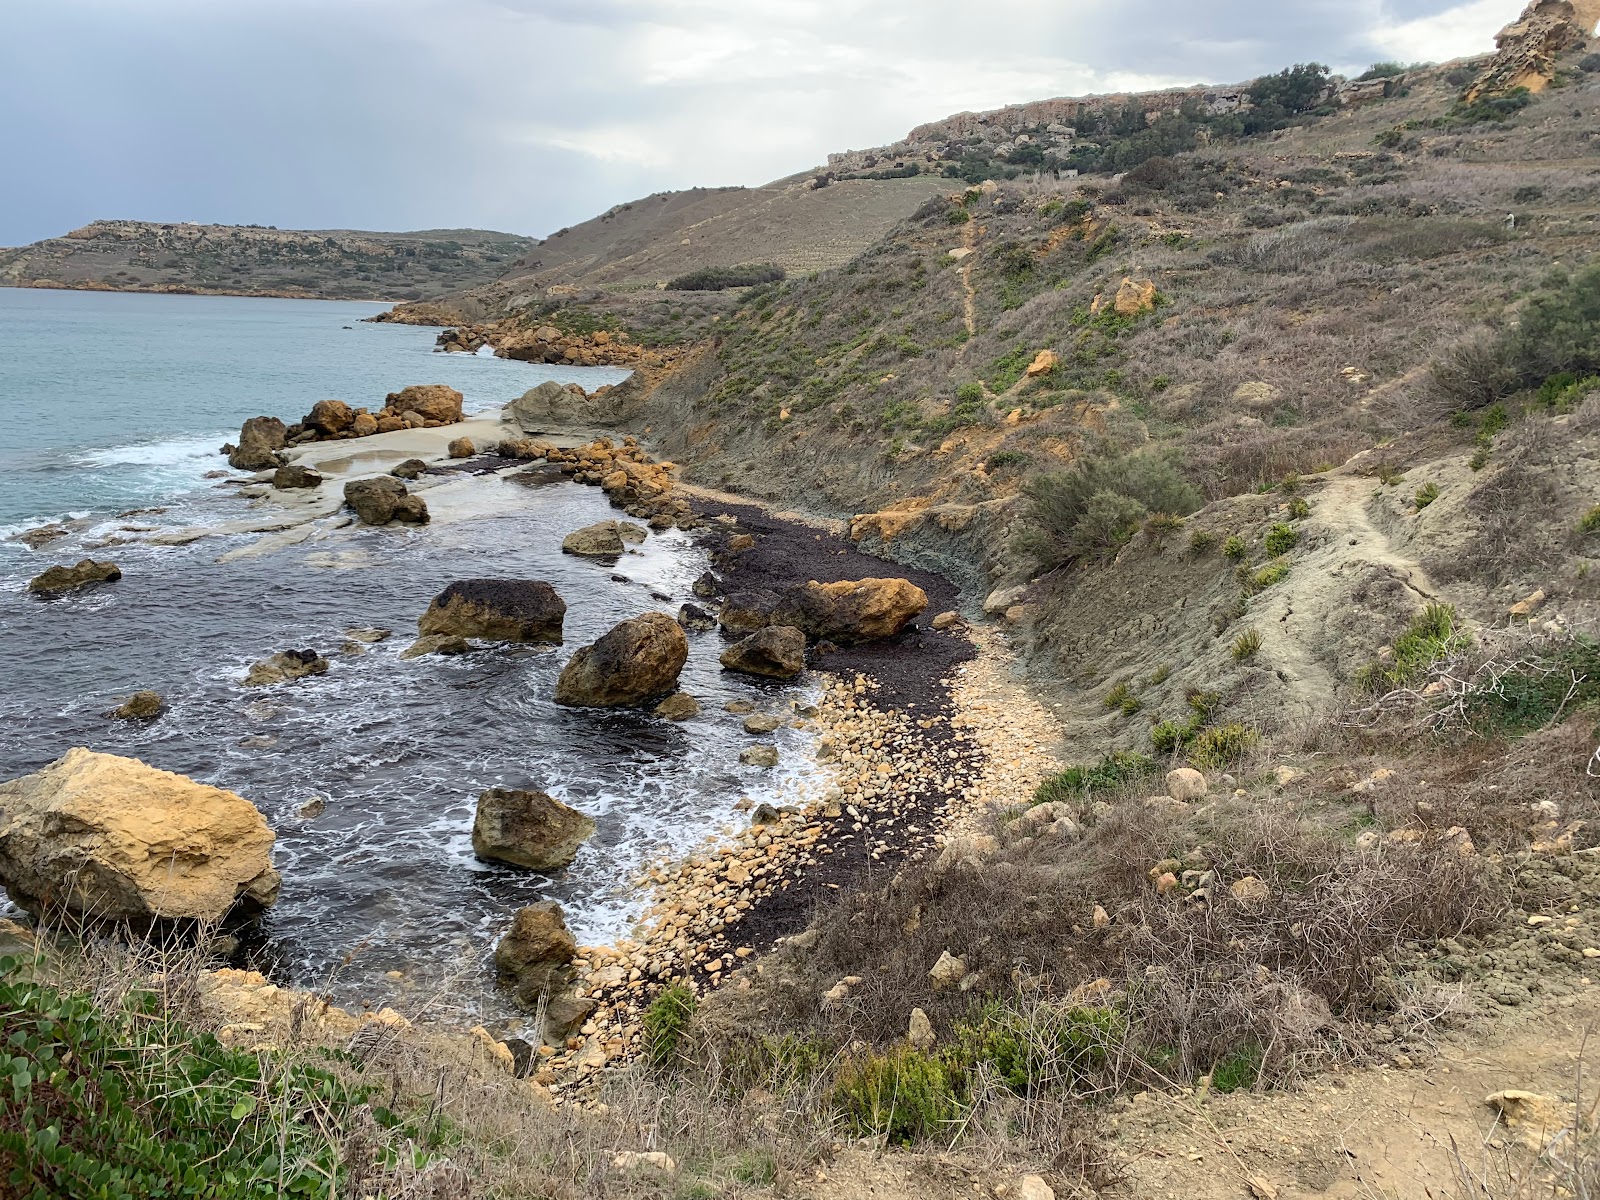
x,y
181,453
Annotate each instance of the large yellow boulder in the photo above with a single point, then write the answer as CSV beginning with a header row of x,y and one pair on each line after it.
x,y
109,838
1134,298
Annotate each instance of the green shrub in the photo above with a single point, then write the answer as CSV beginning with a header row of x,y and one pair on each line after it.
x,y
1589,523
664,1025
1167,737
1220,745
1389,474
716,279
1558,681
1001,459
1094,506
1273,572
1431,636
1234,548
1160,674
1076,783
1281,539
1426,495
1202,541
1299,509
1238,1071
1382,70
115,1104
903,1095
1246,644
1118,696
1054,1047
970,392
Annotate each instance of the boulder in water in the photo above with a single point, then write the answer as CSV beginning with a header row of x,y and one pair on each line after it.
x,y
777,652
500,610
382,499
141,706
57,581
260,439
295,475
535,957
638,660
437,643
696,619
603,539
284,666
430,401
528,829
107,838
680,706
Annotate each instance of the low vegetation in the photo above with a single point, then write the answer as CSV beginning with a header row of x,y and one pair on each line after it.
x,y
1094,507
716,279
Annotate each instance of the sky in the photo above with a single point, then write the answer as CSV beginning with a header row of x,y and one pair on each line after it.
x,y
530,115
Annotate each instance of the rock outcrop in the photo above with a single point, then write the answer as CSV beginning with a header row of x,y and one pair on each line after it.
x,y
382,499
638,660
141,706
777,652
107,838
58,580
848,611
432,402
498,610
284,666
528,829
329,417
1530,45
260,439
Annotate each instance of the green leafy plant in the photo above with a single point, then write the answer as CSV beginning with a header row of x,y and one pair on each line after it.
x,y
902,1095
1234,548
1281,539
1299,509
1273,572
1589,523
1202,541
716,279
665,1024
1239,1071
1111,772
1426,495
1094,506
1431,636
1246,644
1221,745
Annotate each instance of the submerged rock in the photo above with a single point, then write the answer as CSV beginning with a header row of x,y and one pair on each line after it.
x,y
759,756
777,652
383,499
500,610
111,839
294,475
638,660
680,706
260,439
141,706
437,643
57,581
528,829
284,666
696,619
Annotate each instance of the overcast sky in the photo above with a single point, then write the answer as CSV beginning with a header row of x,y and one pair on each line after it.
x,y
527,115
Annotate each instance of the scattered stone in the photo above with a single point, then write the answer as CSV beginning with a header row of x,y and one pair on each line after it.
x,y
1186,785
141,706
948,972
680,706
1250,890
696,619
58,580
776,652
461,447
741,541
1528,605
1533,1118
313,808
946,620
706,586
920,1031
437,643
766,814
497,610
738,707
638,660
761,723
111,839
653,1160
600,540
528,829
1284,776
1031,1187
294,475
759,756
382,499
411,468
284,666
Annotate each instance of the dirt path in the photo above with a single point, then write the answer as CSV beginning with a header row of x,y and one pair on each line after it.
x,y
969,300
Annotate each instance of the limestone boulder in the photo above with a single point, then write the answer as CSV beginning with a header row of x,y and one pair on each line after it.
x,y
411,468
295,475
603,539
851,610
284,666
777,652
554,405
58,580
260,438
462,447
364,424
638,660
680,706
141,706
528,829
534,958
383,499
329,417
498,610
111,839
431,402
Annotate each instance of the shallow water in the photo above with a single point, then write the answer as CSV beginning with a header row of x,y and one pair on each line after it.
x,y
384,879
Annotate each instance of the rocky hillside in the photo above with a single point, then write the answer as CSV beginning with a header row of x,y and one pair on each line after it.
x,y
250,260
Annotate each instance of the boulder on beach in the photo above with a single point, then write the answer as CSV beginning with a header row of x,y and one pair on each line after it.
x,y
284,666
461,447
430,401
528,829
553,405
141,706
411,468
295,475
58,580
329,417
638,660
260,439
110,839
535,957
383,499
364,424
851,610
603,539
500,610
777,652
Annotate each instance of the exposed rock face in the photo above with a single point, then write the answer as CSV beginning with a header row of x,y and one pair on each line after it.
x,y
777,652
141,706
296,476
330,417
600,540
848,611
57,581
535,957
112,839
1043,363
1529,46
528,829
284,666
499,610
383,499
431,401
637,660
260,438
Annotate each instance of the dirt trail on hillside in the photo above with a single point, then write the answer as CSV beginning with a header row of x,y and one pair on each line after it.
x,y
969,301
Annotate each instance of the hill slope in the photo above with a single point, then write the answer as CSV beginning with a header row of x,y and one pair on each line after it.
x,y
249,260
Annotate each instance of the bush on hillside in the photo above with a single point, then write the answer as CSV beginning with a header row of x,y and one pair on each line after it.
x,y
1094,506
716,279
